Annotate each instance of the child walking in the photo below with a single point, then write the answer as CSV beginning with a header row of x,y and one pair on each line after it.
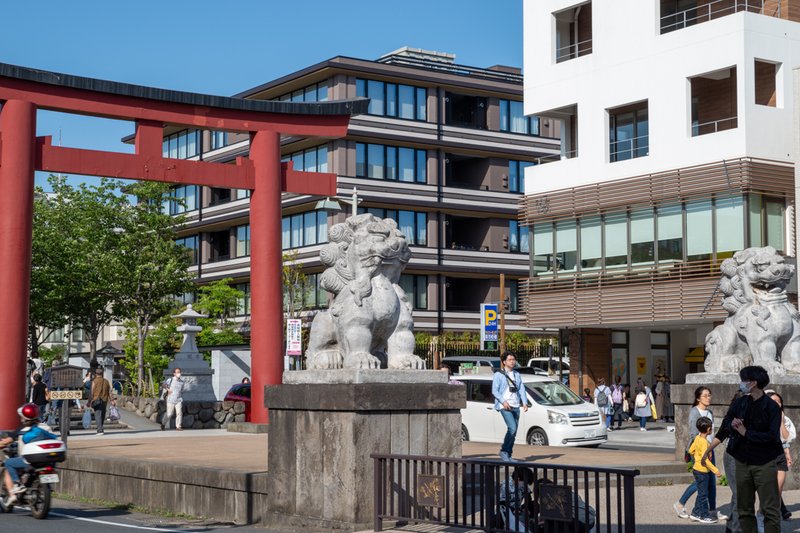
x,y
702,472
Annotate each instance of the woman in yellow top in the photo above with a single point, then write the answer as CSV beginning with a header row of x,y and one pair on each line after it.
x,y
702,472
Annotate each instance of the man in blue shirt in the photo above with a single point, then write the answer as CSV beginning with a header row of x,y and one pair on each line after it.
x,y
509,395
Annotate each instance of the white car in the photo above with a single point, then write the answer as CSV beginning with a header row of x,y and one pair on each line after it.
x,y
558,416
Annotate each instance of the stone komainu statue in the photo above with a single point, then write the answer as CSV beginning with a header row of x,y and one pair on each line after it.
x,y
762,327
369,322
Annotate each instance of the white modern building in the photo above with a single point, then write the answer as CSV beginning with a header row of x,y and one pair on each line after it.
x,y
680,136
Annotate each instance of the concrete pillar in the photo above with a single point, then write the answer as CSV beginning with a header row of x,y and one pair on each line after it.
x,y
266,323
17,144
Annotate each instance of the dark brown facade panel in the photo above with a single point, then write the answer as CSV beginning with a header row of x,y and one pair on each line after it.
x,y
635,303
724,177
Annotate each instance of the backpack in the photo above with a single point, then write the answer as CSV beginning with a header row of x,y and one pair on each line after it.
x,y
602,397
641,400
616,394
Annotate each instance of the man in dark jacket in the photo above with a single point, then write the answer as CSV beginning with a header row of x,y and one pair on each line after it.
x,y
753,425
101,393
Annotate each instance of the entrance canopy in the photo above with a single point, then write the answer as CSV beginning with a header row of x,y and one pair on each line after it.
x,y
24,90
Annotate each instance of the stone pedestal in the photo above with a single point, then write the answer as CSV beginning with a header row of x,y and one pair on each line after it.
x,y
723,388
322,434
195,371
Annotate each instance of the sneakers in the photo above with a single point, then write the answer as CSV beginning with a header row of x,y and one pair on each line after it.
x,y
18,489
704,519
609,428
505,457
162,426
680,510
642,429
721,517
11,500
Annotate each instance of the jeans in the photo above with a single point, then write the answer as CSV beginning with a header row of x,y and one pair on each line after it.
x,y
618,415
609,419
177,408
14,466
763,480
730,472
703,480
712,491
642,421
100,416
511,419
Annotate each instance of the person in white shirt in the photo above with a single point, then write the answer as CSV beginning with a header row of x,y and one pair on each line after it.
x,y
509,396
602,399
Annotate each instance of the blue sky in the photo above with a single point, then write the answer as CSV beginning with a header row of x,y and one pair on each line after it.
x,y
226,47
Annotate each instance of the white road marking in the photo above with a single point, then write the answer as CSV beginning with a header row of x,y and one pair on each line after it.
x,y
107,523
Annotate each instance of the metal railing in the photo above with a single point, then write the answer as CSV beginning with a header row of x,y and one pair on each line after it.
x,y
482,494
714,126
629,148
571,51
567,154
713,10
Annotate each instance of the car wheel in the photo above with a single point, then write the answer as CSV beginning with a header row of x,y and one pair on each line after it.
x,y
464,433
537,437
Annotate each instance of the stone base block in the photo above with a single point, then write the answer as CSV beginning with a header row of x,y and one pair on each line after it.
x,y
364,376
322,435
247,427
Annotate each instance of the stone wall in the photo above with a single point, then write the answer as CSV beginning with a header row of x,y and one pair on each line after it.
x,y
196,415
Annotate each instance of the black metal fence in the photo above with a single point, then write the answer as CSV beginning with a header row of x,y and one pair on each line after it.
x,y
503,497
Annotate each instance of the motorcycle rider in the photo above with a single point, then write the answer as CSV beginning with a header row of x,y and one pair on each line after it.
x,y
30,430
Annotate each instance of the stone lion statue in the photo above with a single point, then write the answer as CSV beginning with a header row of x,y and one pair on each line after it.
x,y
762,327
369,322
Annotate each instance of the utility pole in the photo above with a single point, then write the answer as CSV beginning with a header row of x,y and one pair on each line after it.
x,y
502,313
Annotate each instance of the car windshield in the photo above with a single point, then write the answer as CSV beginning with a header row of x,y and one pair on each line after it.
x,y
552,393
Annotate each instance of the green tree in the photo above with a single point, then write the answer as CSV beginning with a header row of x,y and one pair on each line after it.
x,y
161,342
294,283
219,300
153,267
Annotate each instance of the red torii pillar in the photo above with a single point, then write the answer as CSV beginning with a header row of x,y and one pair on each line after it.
x,y
23,91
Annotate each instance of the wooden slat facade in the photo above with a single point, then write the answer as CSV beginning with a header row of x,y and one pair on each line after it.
x,y
735,176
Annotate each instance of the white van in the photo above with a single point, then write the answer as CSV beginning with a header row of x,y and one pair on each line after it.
x,y
558,416
541,365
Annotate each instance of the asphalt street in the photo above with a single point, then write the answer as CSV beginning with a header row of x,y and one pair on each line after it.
x,y
71,517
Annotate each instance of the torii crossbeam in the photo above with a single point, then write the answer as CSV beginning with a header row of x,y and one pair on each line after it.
x,y
24,90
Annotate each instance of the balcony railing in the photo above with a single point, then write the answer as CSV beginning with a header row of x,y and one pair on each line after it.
x,y
714,126
714,10
568,154
571,51
629,148
669,271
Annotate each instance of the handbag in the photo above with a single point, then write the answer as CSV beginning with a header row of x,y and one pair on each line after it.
x,y
653,411
97,404
87,419
113,413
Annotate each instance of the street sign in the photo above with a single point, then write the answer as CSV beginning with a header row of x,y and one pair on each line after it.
x,y
294,345
489,327
66,394
67,377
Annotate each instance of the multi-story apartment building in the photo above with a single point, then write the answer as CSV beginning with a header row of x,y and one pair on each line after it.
x,y
680,148
442,151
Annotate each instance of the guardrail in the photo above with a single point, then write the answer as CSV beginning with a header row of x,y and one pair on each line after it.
x,y
503,497
712,10
714,126
571,51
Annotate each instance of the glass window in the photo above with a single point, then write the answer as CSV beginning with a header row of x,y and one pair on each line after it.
x,y
524,239
243,303
504,115
699,231
310,160
517,122
297,96
513,176
361,159
406,98
310,94
182,146
322,93
729,225
190,243
407,164
322,158
242,193
756,225
591,244
566,245
376,97
191,146
422,229
642,233
391,100
422,106
391,163
309,228
775,224
286,229
406,225
173,146
670,233
422,166
416,289
297,230
513,235
542,249
243,240
375,161
616,239
361,88
297,161
322,226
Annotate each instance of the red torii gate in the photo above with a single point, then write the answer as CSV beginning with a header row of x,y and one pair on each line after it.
x,y
24,90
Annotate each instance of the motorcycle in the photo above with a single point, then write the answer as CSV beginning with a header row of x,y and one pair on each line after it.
x,y
37,478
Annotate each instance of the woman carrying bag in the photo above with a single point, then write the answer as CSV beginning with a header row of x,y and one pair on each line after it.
x,y
644,404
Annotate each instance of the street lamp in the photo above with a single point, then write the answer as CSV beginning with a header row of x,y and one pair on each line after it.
x,y
332,204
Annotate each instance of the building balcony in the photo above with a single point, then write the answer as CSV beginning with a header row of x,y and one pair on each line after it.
x,y
675,16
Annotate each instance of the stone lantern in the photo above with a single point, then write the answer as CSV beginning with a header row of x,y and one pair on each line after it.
x,y
195,371
107,356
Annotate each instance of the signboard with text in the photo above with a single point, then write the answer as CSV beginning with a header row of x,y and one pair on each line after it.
x,y
489,326
294,345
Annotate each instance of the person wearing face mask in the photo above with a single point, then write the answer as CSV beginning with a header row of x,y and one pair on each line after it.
x,y
753,423
174,390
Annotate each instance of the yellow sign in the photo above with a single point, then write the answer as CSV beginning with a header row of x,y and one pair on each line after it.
x,y
641,366
491,315
66,395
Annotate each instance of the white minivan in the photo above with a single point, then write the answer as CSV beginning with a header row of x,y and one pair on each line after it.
x,y
558,416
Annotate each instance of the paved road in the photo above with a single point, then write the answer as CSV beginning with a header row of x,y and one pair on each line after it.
x,y
69,517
